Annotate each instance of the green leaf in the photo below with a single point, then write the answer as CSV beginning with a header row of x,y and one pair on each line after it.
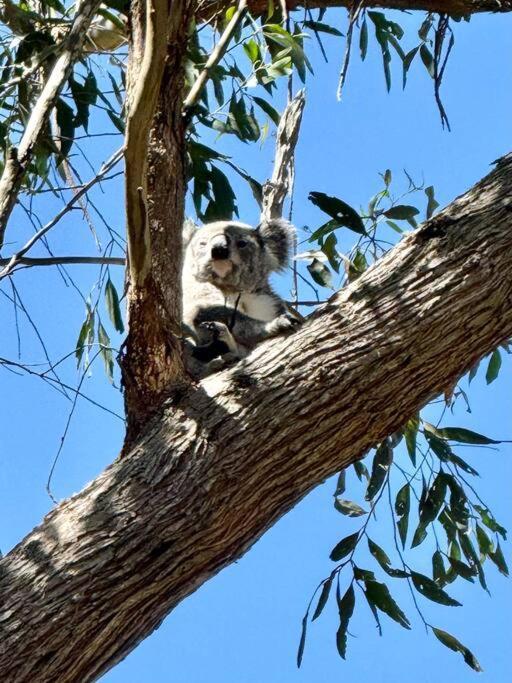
x,y
341,483
410,435
451,642
268,109
402,509
431,507
379,595
116,120
113,308
320,273
499,560
223,206
438,570
65,119
106,351
363,39
490,522
380,466
346,609
342,212
324,596
427,59
384,561
349,508
357,266
300,651
406,63
431,590
432,203
462,569
323,28
363,574
485,544
465,436
344,547
361,471
494,366
329,249
86,335
419,535
401,212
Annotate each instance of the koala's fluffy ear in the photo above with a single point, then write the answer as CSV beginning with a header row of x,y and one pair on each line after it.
x,y
279,238
189,230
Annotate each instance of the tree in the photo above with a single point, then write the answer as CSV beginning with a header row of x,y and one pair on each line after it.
x,y
181,434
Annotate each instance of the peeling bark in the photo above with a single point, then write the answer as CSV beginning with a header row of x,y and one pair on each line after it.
x,y
228,457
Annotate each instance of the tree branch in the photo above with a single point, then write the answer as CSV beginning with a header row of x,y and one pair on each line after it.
x,y
65,260
465,7
193,494
276,189
142,103
18,160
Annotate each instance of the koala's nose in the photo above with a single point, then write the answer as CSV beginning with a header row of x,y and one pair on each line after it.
x,y
220,251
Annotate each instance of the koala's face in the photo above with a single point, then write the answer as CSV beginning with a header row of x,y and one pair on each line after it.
x,y
233,256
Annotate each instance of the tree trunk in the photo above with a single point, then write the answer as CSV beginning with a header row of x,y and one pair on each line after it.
x,y
155,190
228,457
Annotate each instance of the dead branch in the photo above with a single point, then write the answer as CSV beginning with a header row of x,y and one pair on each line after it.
x,y
276,189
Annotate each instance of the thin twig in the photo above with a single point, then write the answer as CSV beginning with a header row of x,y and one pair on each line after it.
x,y
9,365
14,260
353,15
439,66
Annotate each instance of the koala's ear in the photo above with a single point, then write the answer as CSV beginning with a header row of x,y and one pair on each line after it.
x,y
189,230
279,238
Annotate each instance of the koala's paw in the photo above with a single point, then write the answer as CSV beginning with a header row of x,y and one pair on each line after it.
x,y
218,331
283,324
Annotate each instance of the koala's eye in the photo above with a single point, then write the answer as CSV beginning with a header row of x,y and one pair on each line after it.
x,y
242,243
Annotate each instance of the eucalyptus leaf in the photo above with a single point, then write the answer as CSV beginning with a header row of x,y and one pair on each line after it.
x,y
429,589
451,642
344,547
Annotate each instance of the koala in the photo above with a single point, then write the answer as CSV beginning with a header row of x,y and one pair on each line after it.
x,y
228,303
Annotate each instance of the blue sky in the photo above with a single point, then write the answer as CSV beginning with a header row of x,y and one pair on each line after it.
x,y
243,626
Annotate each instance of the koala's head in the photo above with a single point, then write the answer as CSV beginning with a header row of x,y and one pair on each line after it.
x,y
236,257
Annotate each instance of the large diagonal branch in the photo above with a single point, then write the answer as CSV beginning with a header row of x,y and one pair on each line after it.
x,y
225,459
19,158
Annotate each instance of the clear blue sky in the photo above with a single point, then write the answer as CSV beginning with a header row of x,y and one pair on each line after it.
x,y
243,626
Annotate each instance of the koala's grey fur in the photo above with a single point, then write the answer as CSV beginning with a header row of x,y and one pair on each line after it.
x,y
228,303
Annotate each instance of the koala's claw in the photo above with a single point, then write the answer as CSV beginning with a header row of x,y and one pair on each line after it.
x,y
220,332
216,329
283,324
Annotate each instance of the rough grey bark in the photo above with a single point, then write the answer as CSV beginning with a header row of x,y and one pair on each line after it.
x,y
226,458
